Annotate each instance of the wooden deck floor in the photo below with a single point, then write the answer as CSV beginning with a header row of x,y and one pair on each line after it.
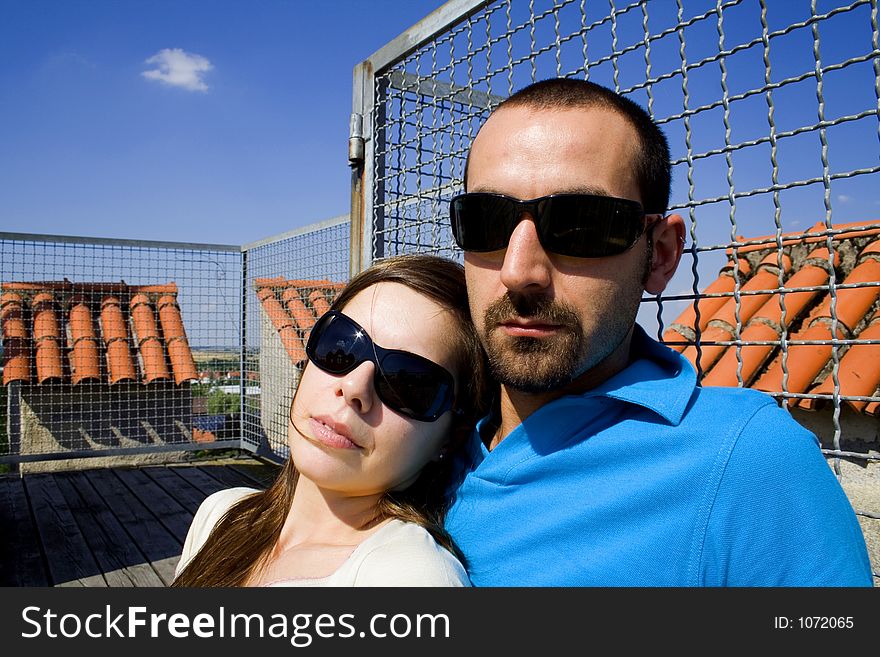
x,y
108,527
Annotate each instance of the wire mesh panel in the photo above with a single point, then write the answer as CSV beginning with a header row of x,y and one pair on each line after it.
x,y
290,281
771,112
115,346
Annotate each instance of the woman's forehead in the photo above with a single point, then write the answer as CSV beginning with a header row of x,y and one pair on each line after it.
x,y
397,317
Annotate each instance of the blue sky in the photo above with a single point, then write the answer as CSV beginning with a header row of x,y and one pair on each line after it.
x,y
226,121
221,121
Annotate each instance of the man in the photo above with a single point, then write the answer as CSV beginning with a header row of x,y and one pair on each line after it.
x,y
604,463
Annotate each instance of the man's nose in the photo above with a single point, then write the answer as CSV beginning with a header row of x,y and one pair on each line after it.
x,y
526,265
357,388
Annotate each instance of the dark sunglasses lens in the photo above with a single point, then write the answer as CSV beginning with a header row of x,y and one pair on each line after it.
x,y
482,222
590,226
336,345
413,386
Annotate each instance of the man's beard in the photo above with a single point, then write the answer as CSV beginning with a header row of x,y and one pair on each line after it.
x,y
534,365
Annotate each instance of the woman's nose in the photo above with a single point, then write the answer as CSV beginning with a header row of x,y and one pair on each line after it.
x,y
357,388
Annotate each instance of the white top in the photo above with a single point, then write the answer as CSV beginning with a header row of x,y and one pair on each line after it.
x,y
397,554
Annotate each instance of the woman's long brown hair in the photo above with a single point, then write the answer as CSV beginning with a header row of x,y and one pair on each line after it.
x,y
244,538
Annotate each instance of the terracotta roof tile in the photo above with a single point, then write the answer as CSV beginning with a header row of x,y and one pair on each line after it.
x,y
302,317
202,436
119,364
293,307
182,362
722,325
806,362
85,357
16,345
47,337
146,335
683,327
858,371
807,317
76,332
319,302
766,324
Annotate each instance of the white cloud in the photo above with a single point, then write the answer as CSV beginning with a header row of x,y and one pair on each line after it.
x,y
179,68
843,198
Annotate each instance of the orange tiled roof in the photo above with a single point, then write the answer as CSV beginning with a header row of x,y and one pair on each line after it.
x,y
805,264
75,332
293,307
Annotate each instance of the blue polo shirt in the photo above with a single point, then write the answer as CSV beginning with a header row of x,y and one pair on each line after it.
x,y
652,480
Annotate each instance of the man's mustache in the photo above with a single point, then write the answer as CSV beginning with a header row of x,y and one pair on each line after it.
x,y
538,308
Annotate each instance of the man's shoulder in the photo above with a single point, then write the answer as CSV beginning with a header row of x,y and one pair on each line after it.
x,y
749,419
753,425
748,397
735,401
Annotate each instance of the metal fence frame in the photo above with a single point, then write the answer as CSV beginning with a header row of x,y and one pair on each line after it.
x,y
399,66
318,250
371,79
9,240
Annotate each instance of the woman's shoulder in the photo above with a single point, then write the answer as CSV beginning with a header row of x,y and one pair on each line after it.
x,y
209,513
406,554
216,504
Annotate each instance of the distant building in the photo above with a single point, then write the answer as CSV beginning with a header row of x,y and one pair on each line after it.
x,y
92,366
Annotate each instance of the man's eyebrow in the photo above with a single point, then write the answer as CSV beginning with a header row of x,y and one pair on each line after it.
x,y
594,191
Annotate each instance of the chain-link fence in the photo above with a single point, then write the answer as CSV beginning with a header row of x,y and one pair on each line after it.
x,y
114,347
771,111
290,281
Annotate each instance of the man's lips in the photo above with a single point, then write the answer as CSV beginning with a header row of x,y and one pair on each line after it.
x,y
520,329
331,433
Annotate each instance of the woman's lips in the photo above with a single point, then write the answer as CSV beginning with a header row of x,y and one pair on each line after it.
x,y
331,434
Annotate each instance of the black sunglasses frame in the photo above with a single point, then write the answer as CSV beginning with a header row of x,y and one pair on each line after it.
x,y
608,226
363,349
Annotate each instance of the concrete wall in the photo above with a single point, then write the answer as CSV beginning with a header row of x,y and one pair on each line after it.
x,y
52,419
278,380
860,478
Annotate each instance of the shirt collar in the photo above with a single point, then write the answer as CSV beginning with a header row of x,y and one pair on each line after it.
x,y
657,378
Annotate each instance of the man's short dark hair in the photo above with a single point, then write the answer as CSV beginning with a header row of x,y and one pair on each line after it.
x,y
653,170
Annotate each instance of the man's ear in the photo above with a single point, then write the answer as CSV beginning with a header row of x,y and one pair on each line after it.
x,y
668,243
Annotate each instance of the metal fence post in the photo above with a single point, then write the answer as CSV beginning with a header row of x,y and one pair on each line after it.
x,y
242,323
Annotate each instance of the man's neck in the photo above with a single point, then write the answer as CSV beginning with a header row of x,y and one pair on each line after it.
x,y
515,406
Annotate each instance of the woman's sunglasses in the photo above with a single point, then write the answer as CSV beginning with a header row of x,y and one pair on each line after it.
x,y
579,225
405,382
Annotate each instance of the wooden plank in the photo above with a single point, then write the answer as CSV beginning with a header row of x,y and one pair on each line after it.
x,y
229,478
262,475
198,478
173,516
70,560
122,563
157,543
187,495
21,562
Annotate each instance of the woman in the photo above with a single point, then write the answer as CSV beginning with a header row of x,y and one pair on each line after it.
x,y
394,383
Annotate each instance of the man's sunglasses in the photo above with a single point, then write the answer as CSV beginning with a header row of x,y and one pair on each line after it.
x,y
579,225
405,382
